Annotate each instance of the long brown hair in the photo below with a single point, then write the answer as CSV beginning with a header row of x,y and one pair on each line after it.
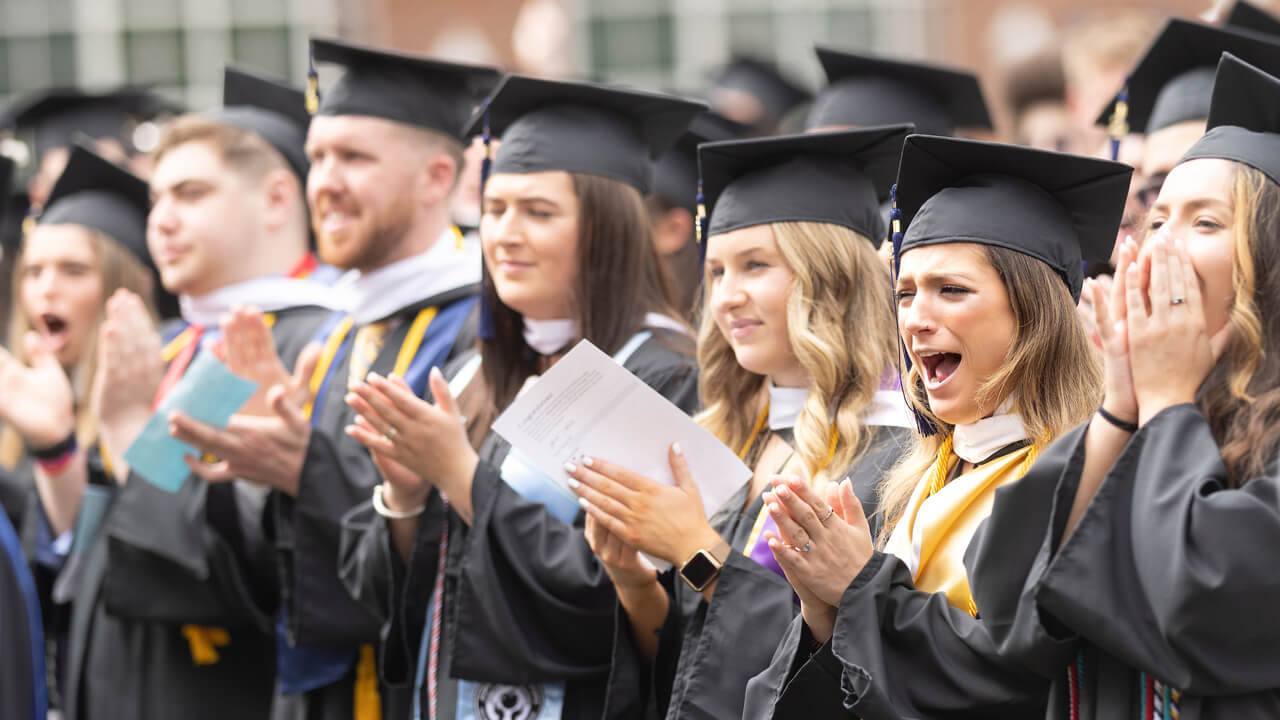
x,y
618,282
840,322
120,269
1241,396
1050,363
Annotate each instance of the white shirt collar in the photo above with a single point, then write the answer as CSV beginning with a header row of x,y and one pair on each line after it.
x,y
888,409
375,295
269,293
785,404
548,336
977,441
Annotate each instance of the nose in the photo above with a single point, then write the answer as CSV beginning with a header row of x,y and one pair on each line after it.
x,y
323,178
917,318
727,293
162,217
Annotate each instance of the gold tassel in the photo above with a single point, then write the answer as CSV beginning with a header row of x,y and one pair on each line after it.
x,y
204,642
367,700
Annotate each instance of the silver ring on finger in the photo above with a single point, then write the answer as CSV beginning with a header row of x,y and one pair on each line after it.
x,y
804,548
830,511
390,434
1177,301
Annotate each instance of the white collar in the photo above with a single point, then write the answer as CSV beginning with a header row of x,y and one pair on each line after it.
x,y
785,404
377,294
268,293
548,336
888,409
977,441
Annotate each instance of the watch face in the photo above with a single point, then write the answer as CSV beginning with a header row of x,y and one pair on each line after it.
x,y
699,570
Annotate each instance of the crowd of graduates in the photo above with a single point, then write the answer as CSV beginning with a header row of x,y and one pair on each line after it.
x,y
1011,412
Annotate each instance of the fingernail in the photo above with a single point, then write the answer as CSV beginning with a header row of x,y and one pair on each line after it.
x,y
573,482
570,468
782,491
675,448
582,503
773,508
586,460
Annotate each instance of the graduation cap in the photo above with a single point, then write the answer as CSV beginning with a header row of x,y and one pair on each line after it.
x,y
763,81
1244,119
838,177
57,115
675,175
1247,16
1174,80
273,109
582,127
401,87
1055,207
865,90
98,194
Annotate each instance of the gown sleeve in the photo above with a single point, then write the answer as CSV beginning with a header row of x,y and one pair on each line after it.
x,y
1168,569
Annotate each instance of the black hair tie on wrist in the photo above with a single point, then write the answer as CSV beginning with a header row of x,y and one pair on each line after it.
x,y
66,446
1117,422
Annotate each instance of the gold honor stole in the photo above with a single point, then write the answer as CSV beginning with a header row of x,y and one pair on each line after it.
x,y
946,515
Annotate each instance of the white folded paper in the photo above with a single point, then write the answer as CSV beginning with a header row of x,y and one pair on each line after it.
x,y
587,404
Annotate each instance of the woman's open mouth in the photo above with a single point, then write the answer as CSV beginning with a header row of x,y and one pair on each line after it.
x,y
939,366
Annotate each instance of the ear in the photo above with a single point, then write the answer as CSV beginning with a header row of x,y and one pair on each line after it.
x,y
672,231
281,194
440,175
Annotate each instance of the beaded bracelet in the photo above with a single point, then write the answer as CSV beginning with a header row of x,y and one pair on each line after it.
x,y
55,458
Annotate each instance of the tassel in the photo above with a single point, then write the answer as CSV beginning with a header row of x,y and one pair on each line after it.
x,y
485,329
1118,128
204,642
923,425
313,86
700,225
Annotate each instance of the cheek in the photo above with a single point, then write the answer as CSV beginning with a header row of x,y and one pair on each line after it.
x,y
1212,262
556,246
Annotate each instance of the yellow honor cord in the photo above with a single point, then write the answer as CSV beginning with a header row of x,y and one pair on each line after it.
x,y
413,341
331,345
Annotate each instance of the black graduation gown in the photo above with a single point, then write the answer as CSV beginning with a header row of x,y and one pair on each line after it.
x,y
1167,573
707,651
525,599
163,561
14,486
337,475
899,653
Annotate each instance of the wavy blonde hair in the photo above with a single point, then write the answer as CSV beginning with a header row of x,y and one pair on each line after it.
x,y
1050,362
120,269
840,321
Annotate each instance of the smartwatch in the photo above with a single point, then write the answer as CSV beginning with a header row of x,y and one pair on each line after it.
x,y
700,569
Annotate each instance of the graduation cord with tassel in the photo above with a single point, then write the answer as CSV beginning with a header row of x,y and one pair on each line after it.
x,y
1118,127
485,329
313,85
923,425
700,224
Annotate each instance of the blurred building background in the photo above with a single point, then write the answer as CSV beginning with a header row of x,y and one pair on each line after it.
x,y
179,46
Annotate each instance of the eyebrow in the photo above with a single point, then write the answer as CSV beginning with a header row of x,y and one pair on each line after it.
x,y
938,277
1197,204
523,199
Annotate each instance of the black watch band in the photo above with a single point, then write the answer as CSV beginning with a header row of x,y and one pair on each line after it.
x,y
53,452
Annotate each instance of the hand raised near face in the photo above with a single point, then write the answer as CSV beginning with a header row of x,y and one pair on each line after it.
x,y
37,399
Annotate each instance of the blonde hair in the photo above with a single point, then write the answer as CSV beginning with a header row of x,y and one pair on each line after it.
x,y
840,321
119,269
1050,363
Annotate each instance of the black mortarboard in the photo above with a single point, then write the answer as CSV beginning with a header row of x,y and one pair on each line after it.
x,y
1244,120
1247,16
405,88
59,114
864,90
1174,80
582,127
675,175
838,177
1058,208
98,194
763,81
273,109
